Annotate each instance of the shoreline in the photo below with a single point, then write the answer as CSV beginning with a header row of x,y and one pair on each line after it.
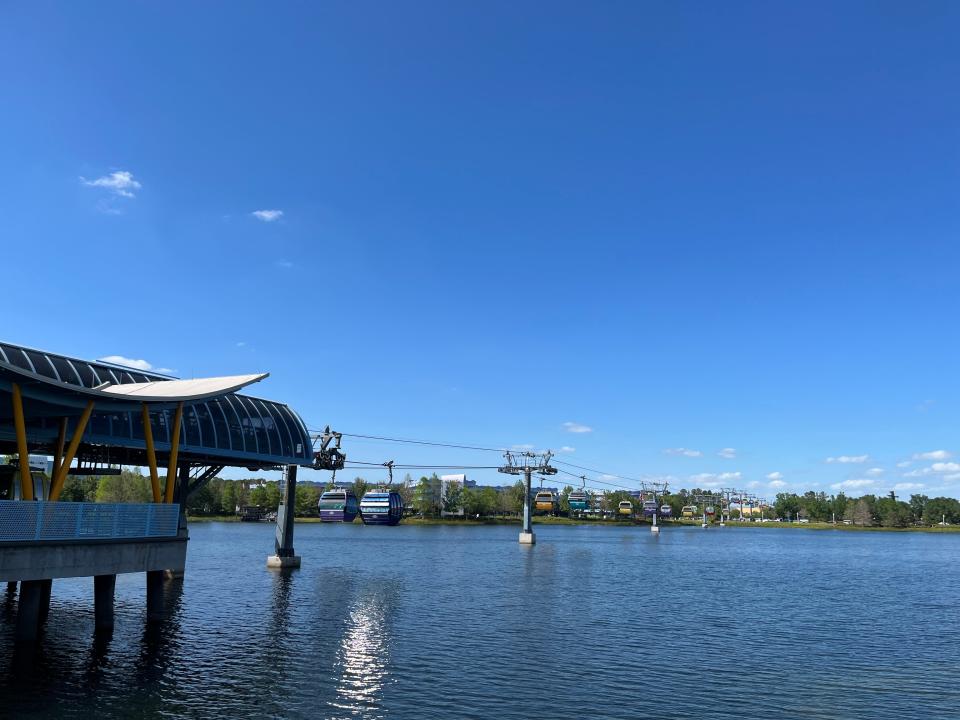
x,y
616,523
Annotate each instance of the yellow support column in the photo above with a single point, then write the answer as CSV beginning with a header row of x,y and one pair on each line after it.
x,y
174,449
151,454
26,479
58,452
57,485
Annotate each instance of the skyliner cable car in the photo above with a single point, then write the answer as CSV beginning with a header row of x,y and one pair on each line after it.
x,y
338,504
666,511
382,506
625,508
649,508
688,511
578,499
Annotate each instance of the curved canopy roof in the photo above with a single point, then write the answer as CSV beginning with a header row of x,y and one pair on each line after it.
x,y
219,426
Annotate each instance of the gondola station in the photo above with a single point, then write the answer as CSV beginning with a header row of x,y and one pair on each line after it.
x,y
93,418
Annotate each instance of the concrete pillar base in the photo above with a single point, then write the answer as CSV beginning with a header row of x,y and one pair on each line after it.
x,y
11,588
655,529
155,607
103,591
276,562
173,574
28,611
703,525
46,587
528,538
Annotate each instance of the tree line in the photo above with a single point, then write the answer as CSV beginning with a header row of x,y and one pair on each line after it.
x,y
425,498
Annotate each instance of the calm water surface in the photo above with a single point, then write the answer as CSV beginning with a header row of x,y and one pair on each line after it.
x,y
449,622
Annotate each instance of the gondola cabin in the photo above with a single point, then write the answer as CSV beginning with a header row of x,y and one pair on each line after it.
x,y
666,511
625,508
649,508
338,505
688,511
710,511
381,507
578,501
546,501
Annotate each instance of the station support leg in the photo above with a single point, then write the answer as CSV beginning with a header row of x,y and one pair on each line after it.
x,y
28,610
155,609
285,557
103,591
46,587
526,531
11,588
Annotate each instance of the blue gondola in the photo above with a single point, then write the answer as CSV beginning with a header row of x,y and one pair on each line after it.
x,y
649,508
338,505
381,507
578,500
666,511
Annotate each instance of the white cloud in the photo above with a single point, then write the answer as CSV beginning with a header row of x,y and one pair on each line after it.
x,y
728,453
904,463
523,447
267,215
286,264
853,484
848,459
713,479
775,476
120,183
609,477
242,343
753,483
134,363
945,467
908,486
874,472
933,455
567,449
686,452
777,483
573,427
949,470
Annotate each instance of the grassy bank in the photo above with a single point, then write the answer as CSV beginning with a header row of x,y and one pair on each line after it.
x,y
620,523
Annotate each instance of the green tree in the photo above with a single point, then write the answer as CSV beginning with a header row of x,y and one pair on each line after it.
x,y
360,487
127,487
565,500
787,505
917,505
80,489
453,501
273,496
258,495
228,497
307,498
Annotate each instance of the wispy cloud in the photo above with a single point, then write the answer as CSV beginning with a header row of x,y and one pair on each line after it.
x,y
775,476
242,343
267,215
908,486
848,459
283,263
567,449
777,483
855,484
120,182
728,453
933,455
947,471
134,363
522,447
574,427
713,479
874,472
686,452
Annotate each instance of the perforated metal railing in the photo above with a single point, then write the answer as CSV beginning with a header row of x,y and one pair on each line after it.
x,y
51,521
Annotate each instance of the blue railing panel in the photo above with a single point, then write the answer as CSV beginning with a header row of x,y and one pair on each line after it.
x,y
39,521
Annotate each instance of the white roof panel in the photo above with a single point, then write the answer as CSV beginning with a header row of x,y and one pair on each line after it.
x,y
175,390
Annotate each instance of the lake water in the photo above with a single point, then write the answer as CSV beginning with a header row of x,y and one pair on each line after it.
x,y
463,622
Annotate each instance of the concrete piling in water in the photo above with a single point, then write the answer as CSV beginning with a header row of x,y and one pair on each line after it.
x,y
285,557
103,593
43,612
155,608
28,611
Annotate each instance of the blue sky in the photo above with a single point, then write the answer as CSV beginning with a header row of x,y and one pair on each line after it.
x,y
684,227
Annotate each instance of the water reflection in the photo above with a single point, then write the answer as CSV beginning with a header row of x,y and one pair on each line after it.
x,y
363,658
